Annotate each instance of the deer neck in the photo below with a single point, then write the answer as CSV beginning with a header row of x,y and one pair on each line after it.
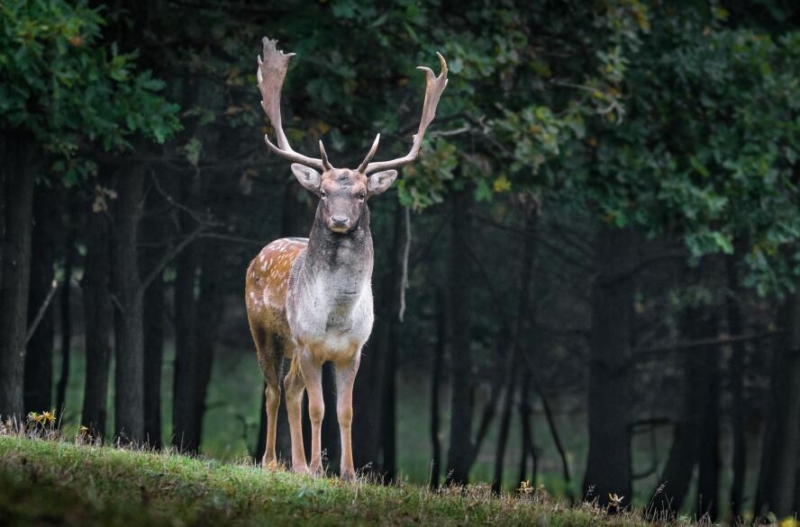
x,y
340,262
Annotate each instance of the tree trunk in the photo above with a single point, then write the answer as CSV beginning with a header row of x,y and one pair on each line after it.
x,y
39,358
436,382
527,444
708,453
18,177
737,369
153,359
608,469
460,455
99,315
184,418
154,237
65,308
513,366
777,480
209,310
129,374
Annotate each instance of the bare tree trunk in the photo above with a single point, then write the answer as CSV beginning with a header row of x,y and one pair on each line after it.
x,y
708,454
18,178
528,447
99,315
153,360
129,374
209,310
460,455
780,457
39,358
737,370
65,308
608,469
512,366
186,350
436,382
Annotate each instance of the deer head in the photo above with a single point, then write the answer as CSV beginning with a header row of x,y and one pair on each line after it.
x,y
343,192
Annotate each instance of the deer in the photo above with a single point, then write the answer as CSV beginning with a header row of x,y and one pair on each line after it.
x,y
309,300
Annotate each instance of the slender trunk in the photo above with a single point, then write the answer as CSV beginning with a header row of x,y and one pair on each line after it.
x,y
209,310
527,445
128,323
505,424
608,469
65,308
460,455
39,358
186,350
708,453
153,359
388,433
18,178
780,457
154,228
99,315
512,367
436,382
737,370
551,423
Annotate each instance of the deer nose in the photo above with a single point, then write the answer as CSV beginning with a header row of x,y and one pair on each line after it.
x,y
340,220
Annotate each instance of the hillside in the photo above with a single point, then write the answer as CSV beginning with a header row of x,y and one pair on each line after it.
x,y
59,483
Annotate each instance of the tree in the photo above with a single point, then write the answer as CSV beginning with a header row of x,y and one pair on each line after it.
x,y
84,95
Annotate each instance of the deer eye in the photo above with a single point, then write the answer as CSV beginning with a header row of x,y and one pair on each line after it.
x,y
322,193
362,195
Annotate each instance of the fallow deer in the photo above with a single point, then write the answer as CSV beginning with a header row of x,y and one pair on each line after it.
x,y
310,299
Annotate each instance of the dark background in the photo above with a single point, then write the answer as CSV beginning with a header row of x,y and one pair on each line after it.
x,y
603,255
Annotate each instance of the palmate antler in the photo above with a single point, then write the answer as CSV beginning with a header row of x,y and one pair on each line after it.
x,y
271,74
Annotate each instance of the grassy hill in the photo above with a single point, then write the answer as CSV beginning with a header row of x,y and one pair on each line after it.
x,y
47,482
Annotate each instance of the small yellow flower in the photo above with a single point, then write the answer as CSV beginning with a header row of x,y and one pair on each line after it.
x,y
48,417
789,522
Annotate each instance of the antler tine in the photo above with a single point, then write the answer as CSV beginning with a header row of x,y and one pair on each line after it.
x,y
370,155
326,165
433,92
271,74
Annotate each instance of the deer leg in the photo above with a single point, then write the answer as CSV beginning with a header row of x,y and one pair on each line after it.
x,y
345,377
312,375
269,360
293,386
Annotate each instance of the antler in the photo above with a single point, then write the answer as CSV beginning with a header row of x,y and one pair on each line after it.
x,y
271,73
433,91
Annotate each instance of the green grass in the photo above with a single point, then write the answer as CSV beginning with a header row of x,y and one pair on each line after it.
x,y
45,482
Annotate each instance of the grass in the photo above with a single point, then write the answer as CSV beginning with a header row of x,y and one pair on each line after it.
x,y
45,482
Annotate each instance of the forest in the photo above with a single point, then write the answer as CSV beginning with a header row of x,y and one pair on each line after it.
x,y
587,280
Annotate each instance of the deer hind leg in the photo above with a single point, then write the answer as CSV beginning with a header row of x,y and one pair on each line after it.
x,y
345,377
269,358
312,375
294,386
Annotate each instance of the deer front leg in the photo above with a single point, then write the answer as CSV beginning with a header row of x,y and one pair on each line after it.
x,y
293,388
345,377
312,375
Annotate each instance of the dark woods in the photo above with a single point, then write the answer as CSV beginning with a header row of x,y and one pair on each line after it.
x,y
597,251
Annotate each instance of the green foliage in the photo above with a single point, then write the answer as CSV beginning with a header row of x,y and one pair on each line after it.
x,y
65,87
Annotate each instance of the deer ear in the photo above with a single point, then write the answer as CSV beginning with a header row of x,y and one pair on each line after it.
x,y
379,182
307,176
